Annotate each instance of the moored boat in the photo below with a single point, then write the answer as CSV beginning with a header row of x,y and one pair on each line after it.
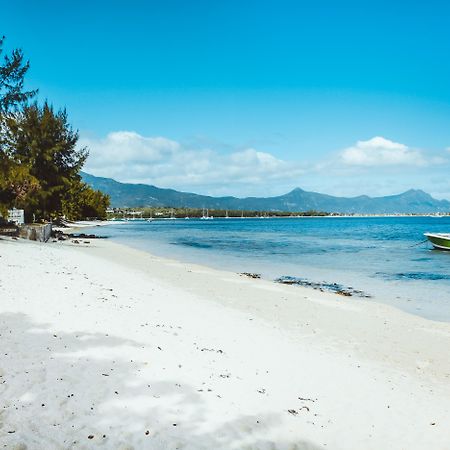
x,y
440,241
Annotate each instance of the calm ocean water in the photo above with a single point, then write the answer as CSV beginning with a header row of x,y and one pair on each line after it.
x,y
375,255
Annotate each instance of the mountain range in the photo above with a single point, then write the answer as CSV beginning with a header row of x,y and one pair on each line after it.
x,y
139,195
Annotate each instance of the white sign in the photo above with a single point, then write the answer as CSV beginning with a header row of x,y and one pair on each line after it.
x,y
16,216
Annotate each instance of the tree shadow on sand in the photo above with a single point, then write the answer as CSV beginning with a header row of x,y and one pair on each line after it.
x,y
81,390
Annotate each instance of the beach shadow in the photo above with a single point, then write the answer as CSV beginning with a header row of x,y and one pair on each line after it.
x,y
81,390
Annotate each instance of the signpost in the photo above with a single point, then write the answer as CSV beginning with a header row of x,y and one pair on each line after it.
x,y
16,216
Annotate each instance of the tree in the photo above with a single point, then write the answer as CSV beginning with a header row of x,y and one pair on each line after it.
x,y
18,185
15,180
85,202
43,141
39,160
12,75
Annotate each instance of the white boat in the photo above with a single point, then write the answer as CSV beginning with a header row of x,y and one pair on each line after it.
x,y
206,216
440,241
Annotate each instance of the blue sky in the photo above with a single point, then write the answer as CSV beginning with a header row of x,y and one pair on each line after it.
x,y
249,97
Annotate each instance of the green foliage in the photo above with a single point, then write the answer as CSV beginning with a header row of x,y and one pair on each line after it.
x,y
15,179
39,159
42,140
17,185
12,74
85,202
181,213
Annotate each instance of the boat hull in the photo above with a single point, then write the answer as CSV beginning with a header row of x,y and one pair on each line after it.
x,y
439,241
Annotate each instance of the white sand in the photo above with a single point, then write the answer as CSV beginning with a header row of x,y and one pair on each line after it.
x,y
145,353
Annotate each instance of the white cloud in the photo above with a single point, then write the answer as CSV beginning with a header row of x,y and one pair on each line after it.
x,y
126,146
379,151
377,166
129,157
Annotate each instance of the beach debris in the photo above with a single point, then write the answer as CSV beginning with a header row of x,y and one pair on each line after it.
x,y
303,399
204,349
61,236
295,412
346,291
255,276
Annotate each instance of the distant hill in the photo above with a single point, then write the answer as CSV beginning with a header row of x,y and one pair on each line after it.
x,y
134,195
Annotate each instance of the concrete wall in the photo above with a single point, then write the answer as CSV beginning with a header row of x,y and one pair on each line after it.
x,y
36,232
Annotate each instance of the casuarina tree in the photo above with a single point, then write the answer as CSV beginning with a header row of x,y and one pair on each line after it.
x,y
15,180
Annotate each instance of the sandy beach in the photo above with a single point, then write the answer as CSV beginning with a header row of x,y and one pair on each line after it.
x,y
103,346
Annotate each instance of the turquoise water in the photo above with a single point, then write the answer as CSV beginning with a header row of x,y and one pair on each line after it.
x,y
375,255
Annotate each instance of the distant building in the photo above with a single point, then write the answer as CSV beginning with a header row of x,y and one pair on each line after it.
x,y
16,216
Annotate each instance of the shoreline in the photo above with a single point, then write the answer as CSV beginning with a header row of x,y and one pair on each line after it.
x,y
141,260
405,289
234,362
329,216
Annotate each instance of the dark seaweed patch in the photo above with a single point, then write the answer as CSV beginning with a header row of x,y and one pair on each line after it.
x,y
346,291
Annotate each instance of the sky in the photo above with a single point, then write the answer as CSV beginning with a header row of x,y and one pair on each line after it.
x,y
248,97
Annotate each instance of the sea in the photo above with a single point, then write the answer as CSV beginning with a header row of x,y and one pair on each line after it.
x,y
382,259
